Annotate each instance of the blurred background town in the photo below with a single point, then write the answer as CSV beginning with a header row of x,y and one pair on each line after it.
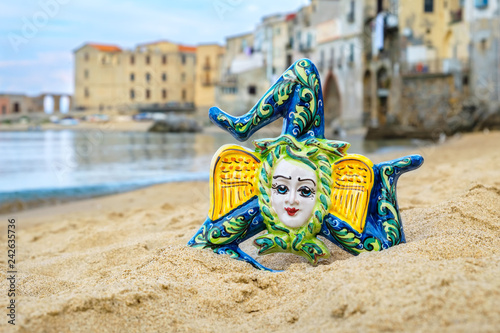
x,y
390,69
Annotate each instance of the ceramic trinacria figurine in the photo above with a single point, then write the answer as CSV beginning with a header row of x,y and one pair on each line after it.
x,y
300,185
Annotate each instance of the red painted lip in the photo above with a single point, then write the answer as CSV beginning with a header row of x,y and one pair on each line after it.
x,y
291,211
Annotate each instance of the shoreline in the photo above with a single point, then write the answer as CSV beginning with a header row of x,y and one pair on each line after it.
x,y
32,195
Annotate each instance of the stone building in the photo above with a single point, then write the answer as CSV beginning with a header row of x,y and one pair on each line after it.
x,y
434,62
254,61
242,75
302,34
208,62
157,76
339,56
483,18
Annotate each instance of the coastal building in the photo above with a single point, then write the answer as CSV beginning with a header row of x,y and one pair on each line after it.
x,y
21,104
153,76
14,104
272,37
242,78
301,34
483,18
338,53
432,64
208,62
254,61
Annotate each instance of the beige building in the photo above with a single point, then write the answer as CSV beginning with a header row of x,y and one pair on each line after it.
x,y
208,62
435,36
153,76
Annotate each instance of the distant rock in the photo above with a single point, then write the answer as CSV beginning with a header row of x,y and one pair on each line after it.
x,y
175,124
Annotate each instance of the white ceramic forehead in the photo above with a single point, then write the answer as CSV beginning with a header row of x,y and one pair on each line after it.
x,y
287,169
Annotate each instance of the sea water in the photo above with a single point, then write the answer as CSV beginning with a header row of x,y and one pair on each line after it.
x,y
69,164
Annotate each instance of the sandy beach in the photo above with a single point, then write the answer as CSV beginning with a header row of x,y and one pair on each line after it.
x,y
120,263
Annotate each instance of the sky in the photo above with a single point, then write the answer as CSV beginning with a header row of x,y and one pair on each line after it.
x,y
37,38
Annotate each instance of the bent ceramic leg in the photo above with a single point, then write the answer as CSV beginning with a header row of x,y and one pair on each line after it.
x,y
386,212
224,235
383,227
296,97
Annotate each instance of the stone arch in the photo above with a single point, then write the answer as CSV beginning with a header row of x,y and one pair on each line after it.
x,y
333,102
64,103
48,104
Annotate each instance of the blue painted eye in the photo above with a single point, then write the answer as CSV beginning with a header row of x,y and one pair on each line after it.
x,y
282,189
305,191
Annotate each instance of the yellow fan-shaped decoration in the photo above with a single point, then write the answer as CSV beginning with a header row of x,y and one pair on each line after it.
x,y
233,179
352,183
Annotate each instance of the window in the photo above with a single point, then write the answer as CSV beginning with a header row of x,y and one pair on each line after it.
x,y
350,15
86,92
86,57
132,60
183,59
252,90
351,53
465,80
183,77
164,77
164,59
148,77
86,73
164,93
4,109
148,93
148,60
132,94
183,95
428,6
132,76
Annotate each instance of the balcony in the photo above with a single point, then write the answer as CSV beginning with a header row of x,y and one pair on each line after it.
x,y
228,80
207,67
435,66
305,48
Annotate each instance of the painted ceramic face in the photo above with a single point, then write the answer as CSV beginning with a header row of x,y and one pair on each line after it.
x,y
293,193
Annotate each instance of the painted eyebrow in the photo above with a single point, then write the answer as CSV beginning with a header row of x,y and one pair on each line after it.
x,y
302,180
278,176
